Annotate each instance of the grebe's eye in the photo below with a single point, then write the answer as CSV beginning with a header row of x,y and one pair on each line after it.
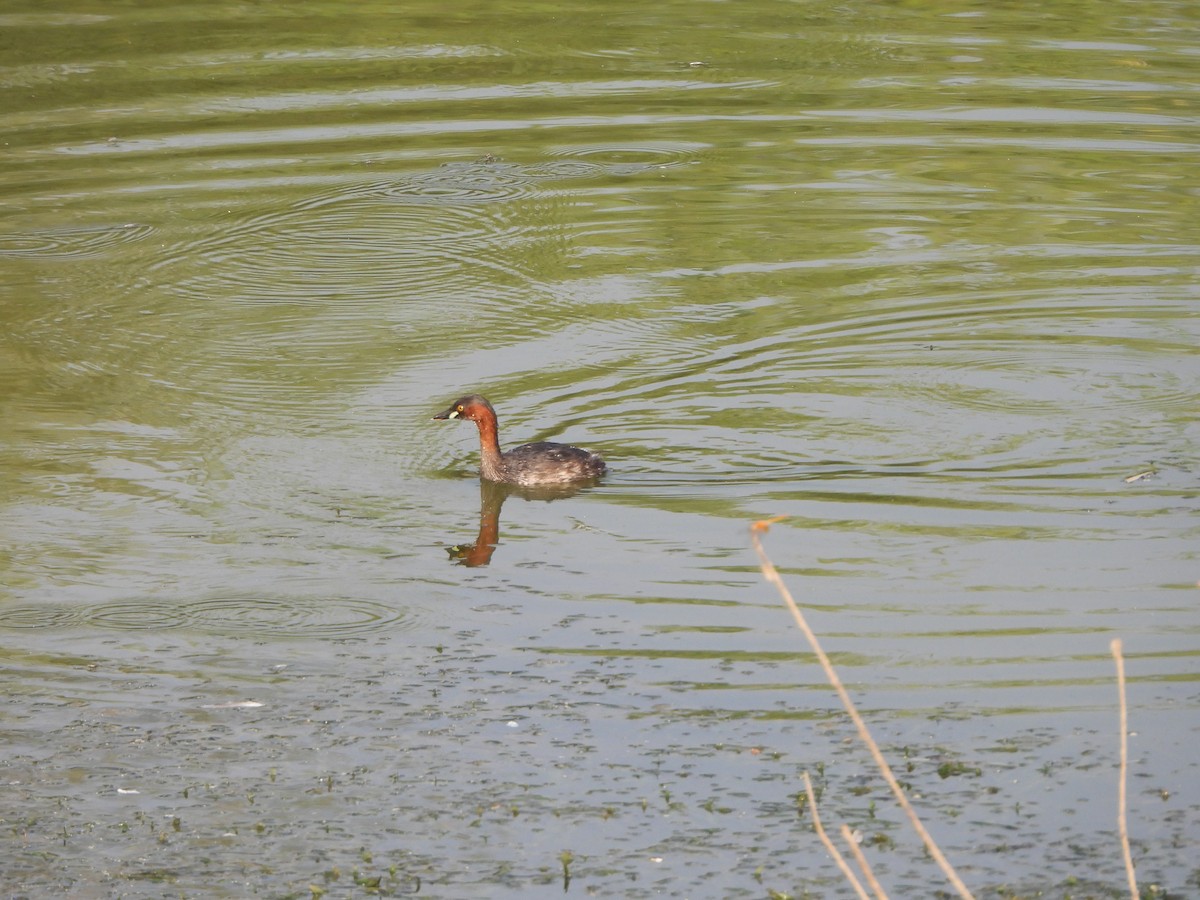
x,y
461,407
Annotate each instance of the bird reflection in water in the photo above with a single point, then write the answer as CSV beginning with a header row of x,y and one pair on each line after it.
x,y
492,495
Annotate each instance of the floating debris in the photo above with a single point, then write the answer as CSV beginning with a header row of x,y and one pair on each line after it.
x,y
233,704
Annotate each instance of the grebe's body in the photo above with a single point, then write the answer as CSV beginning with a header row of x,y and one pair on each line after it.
x,y
530,465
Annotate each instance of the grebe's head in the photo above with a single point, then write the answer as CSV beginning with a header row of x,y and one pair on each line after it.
x,y
472,407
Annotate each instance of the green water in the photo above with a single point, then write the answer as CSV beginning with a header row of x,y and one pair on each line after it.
x,y
920,277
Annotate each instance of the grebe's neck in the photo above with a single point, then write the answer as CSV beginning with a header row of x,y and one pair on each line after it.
x,y
491,464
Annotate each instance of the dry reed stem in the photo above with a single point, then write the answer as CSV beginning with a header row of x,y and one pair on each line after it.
x,y
772,575
1122,823
856,852
829,845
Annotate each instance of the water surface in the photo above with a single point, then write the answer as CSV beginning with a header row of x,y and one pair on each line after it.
x,y
922,279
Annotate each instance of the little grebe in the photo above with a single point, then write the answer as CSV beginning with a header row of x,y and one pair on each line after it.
x,y
540,463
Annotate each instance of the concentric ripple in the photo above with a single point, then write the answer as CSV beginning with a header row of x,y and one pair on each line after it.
x,y
627,159
133,616
449,229
290,617
71,243
456,183
21,617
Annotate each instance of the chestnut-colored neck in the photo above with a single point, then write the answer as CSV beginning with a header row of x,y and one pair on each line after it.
x,y
491,463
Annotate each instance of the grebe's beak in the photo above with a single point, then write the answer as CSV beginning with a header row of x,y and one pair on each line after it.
x,y
450,413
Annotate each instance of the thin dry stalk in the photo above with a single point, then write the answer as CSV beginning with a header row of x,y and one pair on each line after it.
x,y
856,852
1122,823
772,575
829,845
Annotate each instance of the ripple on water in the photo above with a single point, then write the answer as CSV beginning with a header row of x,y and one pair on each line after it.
x,y
306,255
71,243
632,159
281,617
1010,380
1015,354
638,344
446,231
38,617
442,231
1061,354
365,260
1067,379
454,184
